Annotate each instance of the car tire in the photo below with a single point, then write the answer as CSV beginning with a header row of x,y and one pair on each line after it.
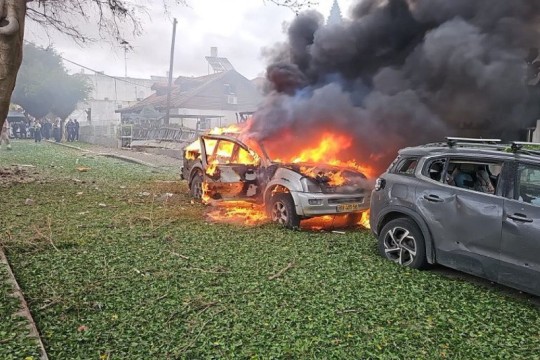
x,y
402,242
283,212
195,186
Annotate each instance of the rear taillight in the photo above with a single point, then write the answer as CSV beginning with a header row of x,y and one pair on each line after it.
x,y
380,184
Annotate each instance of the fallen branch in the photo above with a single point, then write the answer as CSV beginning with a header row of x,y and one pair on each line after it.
x,y
54,302
180,255
282,271
49,237
194,341
218,271
348,311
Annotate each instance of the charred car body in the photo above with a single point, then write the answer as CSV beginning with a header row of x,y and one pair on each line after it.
x,y
222,167
469,204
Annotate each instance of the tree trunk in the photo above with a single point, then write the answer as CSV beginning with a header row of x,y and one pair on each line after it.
x,y
12,14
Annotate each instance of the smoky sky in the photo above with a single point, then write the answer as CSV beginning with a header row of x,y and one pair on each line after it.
x,y
401,73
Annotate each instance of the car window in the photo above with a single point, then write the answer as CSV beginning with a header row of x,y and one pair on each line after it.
x,y
474,175
406,166
528,184
435,170
242,156
223,152
209,145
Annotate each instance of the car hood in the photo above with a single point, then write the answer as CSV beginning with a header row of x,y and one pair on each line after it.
x,y
331,178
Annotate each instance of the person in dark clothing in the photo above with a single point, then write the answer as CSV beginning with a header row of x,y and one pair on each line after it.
x,y
57,131
76,134
15,130
70,127
46,129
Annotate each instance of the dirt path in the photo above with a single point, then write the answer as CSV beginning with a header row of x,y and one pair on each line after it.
x,y
153,160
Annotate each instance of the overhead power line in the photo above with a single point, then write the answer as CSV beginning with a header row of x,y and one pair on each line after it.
x,y
97,71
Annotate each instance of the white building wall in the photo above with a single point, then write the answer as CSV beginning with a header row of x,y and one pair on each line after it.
x,y
536,133
110,94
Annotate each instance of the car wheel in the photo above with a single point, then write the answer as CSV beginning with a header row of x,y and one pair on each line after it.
x,y
402,241
283,212
195,187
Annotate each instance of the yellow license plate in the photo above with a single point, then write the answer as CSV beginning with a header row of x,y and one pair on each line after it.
x,y
349,207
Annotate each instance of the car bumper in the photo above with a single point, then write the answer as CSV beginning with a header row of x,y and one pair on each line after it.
x,y
318,204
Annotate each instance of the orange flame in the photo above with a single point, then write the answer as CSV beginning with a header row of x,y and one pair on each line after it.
x,y
205,193
364,221
328,150
238,212
212,168
336,178
231,129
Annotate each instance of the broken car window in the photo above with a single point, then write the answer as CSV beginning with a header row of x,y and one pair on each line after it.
x,y
406,166
224,151
529,184
473,175
435,169
244,157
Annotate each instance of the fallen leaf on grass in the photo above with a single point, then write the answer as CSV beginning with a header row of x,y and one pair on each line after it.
x,y
82,169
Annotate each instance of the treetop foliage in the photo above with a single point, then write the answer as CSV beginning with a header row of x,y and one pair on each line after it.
x,y
44,86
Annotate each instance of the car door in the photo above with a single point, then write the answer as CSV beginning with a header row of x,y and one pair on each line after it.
x,y
465,223
520,245
230,169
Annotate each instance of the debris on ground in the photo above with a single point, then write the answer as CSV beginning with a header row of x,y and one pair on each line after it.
x,y
17,174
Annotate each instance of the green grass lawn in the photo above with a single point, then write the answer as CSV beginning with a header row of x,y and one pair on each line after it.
x,y
111,270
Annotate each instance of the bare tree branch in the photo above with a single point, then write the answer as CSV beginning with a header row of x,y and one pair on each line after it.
x,y
110,16
294,5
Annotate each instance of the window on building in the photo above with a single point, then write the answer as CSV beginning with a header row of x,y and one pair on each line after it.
x,y
232,100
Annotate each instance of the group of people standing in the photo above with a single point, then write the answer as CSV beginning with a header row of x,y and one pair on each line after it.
x,y
39,129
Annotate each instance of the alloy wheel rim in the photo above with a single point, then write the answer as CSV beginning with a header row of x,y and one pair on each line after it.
x,y
279,213
400,246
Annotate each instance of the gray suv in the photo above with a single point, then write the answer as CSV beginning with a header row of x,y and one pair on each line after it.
x,y
468,204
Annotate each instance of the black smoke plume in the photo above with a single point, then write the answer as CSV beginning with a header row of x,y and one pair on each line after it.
x,y
402,73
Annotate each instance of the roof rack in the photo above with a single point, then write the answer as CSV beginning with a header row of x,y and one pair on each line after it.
x,y
453,141
518,146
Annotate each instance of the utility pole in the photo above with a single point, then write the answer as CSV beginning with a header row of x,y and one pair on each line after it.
x,y
125,61
168,114
125,44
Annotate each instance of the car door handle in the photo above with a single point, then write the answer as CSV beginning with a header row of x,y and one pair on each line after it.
x,y
433,198
520,217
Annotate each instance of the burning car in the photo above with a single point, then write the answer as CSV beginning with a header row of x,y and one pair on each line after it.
x,y
225,167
